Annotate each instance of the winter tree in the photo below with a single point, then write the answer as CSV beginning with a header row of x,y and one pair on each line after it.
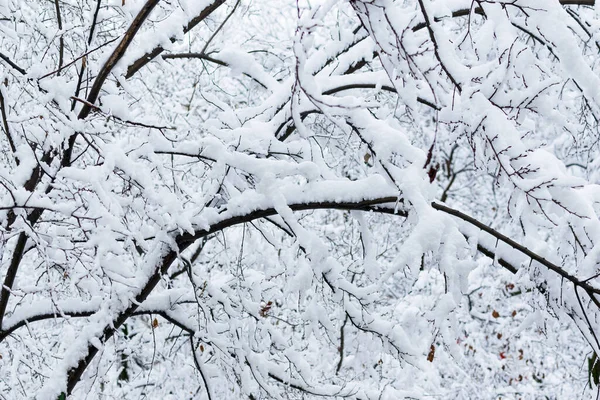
x,y
362,199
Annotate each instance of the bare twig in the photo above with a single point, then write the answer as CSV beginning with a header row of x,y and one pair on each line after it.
x,y
216,32
84,55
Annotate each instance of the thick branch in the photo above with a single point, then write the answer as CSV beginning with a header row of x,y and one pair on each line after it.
x,y
5,124
577,2
116,55
146,58
183,241
11,274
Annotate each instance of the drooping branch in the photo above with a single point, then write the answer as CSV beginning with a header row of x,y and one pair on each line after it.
x,y
291,127
522,249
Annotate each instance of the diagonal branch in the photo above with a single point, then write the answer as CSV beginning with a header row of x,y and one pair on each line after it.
x,y
116,55
146,58
220,27
436,47
522,249
12,64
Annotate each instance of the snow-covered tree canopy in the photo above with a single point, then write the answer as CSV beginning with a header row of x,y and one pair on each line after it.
x,y
362,199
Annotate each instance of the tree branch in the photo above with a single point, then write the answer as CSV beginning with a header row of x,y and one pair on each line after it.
x,y
12,64
478,10
11,274
386,205
5,125
522,249
116,55
146,58
83,314
61,43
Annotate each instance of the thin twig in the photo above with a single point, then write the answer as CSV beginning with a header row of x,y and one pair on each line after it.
x,y
237,3
199,368
78,58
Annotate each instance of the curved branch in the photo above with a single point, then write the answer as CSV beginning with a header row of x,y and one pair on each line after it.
x,y
291,128
183,241
387,204
83,314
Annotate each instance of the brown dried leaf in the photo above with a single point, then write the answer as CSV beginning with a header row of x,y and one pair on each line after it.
x,y
431,354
